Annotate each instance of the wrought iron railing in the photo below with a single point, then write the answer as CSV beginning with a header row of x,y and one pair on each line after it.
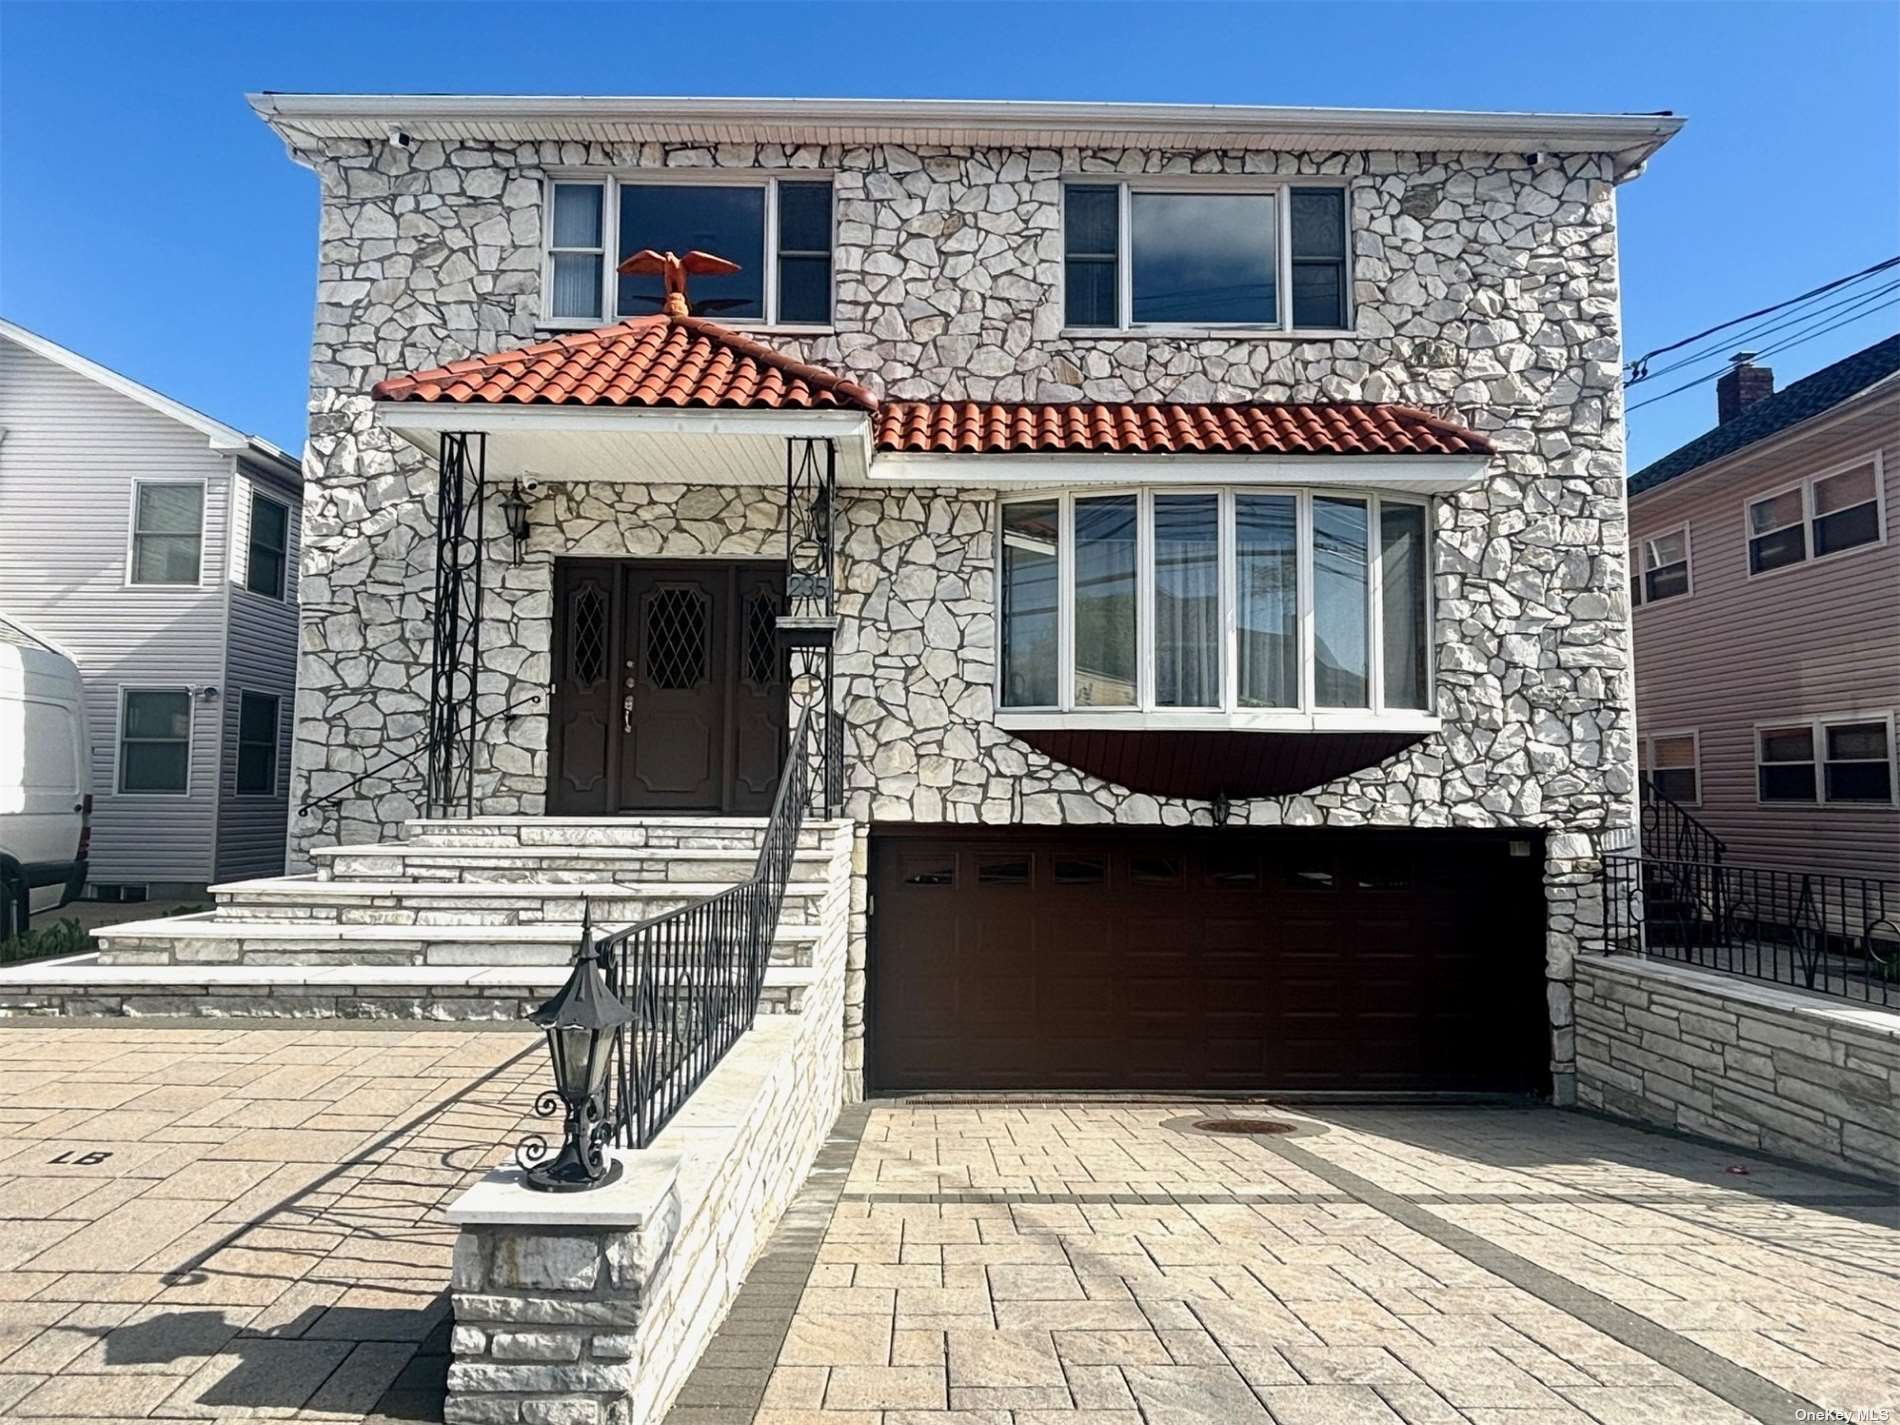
x,y
427,752
1833,935
694,976
1672,831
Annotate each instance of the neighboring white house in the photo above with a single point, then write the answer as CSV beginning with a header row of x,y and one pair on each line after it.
x,y
159,547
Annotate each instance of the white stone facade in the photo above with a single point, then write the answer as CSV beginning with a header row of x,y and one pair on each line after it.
x,y
1483,286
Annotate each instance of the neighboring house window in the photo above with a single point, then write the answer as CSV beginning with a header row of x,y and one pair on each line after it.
x,y
1674,767
270,537
155,740
1827,760
257,744
779,231
1822,515
167,532
1160,254
1664,571
1168,601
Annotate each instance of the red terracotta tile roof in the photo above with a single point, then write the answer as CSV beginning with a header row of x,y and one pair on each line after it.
x,y
1332,428
646,361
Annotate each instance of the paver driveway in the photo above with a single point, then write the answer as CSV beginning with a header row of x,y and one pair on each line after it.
x,y
1096,1266
229,1223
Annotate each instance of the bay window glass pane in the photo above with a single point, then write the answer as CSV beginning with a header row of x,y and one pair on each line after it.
x,y
679,217
804,243
1187,601
577,214
1402,579
1031,660
1203,257
1105,602
1267,605
1340,592
1091,230
576,284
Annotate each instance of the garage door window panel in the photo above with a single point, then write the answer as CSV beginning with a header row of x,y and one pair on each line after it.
x,y
1232,606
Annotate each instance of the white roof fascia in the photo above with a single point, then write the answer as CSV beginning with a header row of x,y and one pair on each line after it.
x,y
656,420
1416,473
223,438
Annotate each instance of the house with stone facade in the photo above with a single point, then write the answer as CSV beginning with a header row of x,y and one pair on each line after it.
x,y
1183,546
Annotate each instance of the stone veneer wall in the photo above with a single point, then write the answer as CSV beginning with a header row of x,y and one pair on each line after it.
x,y
1743,1062
1482,285
581,1326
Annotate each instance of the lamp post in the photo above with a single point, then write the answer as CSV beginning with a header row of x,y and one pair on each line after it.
x,y
582,1022
514,512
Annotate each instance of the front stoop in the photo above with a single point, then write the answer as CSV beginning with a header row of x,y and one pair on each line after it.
x,y
475,920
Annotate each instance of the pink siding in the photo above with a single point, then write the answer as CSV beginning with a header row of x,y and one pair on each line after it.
x,y
1806,641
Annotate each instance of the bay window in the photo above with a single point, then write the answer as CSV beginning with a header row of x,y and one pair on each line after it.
x,y
1238,606
777,228
1169,252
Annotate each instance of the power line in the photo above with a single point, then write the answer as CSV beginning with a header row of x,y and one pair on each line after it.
x,y
1638,367
1763,329
1792,341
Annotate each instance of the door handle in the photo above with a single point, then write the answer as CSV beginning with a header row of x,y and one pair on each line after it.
x,y
626,713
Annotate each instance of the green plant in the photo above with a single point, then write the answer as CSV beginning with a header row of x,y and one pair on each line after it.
x,y
63,937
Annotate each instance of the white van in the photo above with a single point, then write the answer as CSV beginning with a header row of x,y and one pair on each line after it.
x,y
45,779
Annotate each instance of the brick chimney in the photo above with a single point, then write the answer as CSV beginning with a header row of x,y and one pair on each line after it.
x,y
1741,386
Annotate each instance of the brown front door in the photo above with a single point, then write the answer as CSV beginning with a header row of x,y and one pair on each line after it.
x,y
669,688
1368,962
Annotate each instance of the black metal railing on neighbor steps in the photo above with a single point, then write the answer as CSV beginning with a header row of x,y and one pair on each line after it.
x,y
694,976
1671,830
1833,935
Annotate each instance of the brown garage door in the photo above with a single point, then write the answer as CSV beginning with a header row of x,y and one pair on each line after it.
x,y
1356,961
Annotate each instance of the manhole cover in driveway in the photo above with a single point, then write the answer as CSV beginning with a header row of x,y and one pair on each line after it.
x,y
1236,1126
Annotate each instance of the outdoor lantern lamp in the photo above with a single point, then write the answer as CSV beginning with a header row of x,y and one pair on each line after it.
x,y
582,1022
514,510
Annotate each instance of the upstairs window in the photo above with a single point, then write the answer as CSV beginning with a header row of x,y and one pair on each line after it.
x,y
167,533
1220,601
779,231
1150,253
270,538
1663,568
1821,516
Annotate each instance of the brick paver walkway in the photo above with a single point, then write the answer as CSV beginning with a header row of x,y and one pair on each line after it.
x,y
1096,1266
216,1222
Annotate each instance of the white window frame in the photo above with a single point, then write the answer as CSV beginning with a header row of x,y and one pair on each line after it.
x,y
132,533
191,737
1817,727
610,182
1280,188
1809,516
276,745
1639,584
1695,759
1146,713
250,536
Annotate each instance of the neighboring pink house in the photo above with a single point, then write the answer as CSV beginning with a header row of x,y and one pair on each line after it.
x,y
1766,596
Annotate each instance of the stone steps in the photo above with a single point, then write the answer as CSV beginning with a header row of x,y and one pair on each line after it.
x,y
483,862
186,941
434,901
697,833
82,987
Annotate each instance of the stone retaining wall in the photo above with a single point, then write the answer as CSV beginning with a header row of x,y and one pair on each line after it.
x,y
587,1324
1792,1074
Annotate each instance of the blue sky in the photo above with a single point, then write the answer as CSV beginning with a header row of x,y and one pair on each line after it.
x,y
149,221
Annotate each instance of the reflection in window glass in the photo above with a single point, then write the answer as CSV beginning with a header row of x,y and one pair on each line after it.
x,y
1319,256
1846,511
1785,765
1858,767
1154,870
1005,871
1080,870
1339,593
1105,602
1187,601
1402,599
1090,232
930,871
729,222
1232,870
1203,257
1031,531
804,252
1267,606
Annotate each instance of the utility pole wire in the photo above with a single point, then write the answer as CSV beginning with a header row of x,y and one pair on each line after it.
x,y
1765,329
1638,367
1792,341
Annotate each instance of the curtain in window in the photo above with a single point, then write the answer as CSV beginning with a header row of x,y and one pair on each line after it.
x,y
1187,601
1402,600
1030,660
1267,604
